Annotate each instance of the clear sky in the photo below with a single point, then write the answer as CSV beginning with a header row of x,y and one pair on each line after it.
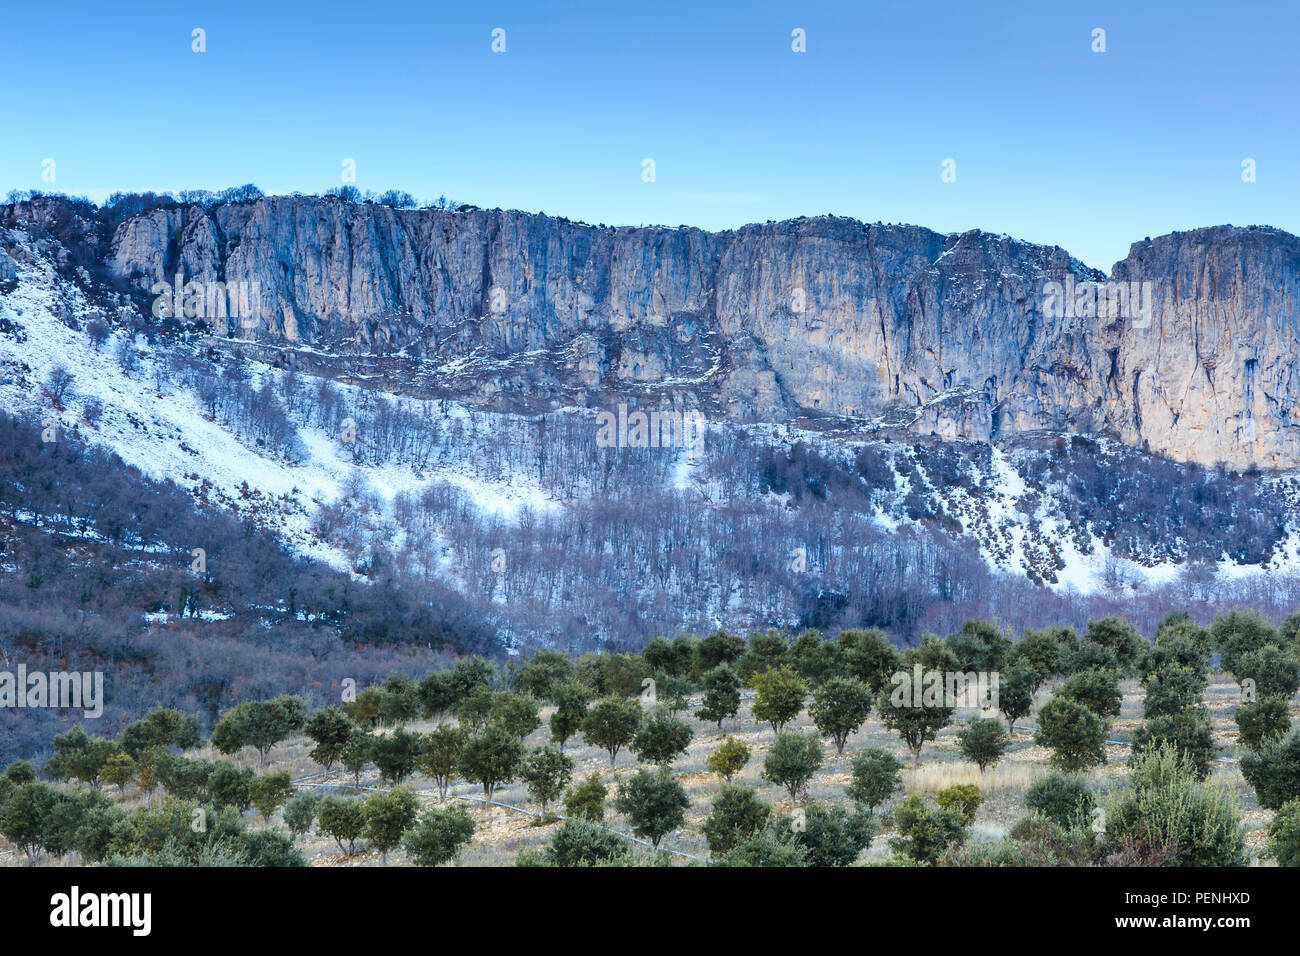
x,y
1052,142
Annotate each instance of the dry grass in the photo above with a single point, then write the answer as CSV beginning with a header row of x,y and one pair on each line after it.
x,y
1009,776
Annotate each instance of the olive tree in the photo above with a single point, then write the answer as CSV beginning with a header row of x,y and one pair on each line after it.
x,y
792,761
840,706
653,802
438,837
1075,735
876,776
388,816
611,723
439,756
779,697
983,741
546,772
661,739
721,695
491,760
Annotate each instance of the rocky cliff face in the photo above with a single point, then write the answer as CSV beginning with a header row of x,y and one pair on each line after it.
x,y
970,335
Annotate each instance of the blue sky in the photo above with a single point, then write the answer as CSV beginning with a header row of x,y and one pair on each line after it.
x,y
1052,142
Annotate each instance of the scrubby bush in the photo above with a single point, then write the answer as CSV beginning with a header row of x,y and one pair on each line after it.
x,y
925,830
1032,841
1274,771
1284,834
581,843
832,836
962,799
729,759
737,812
1263,721
586,800
1166,806
774,845
438,837
1188,730
1064,798
269,848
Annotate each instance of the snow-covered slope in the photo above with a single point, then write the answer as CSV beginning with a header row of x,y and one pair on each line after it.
x,y
162,429
122,391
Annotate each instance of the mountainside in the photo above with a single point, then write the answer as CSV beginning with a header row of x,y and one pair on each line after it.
x,y
445,460
802,319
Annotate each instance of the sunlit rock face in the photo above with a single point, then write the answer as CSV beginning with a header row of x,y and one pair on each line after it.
x,y
972,335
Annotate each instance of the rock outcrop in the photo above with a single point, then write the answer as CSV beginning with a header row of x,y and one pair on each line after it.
x,y
972,335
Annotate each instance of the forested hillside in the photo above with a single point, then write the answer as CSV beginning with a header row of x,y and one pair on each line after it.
x,y
98,573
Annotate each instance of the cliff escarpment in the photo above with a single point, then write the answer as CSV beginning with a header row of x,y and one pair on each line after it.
x,y
959,335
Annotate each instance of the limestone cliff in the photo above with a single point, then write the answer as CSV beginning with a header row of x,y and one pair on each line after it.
x,y
826,317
